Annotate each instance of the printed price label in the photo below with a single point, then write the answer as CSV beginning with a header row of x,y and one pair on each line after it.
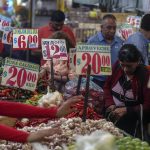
x,y
98,57
55,48
25,38
7,36
4,22
20,74
72,58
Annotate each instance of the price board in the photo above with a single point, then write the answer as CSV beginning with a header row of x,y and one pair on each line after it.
x,y
98,56
4,22
125,30
72,58
54,48
20,74
25,39
7,35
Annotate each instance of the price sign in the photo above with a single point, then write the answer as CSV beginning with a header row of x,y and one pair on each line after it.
x,y
55,48
4,22
125,31
25,38
98,56
20,74
7,36
72,58
134,21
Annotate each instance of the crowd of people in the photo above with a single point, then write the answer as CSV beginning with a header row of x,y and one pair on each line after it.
x,y
126,91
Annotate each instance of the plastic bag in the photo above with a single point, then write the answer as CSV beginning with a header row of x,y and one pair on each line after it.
x,y
95,93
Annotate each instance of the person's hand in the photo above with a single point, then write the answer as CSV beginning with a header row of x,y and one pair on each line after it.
x,y
110,108
66,107
41,134
119,112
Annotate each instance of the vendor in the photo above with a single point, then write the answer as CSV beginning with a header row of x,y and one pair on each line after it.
x,y
14,109
126,92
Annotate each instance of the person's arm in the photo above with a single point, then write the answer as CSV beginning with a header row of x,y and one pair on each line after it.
x,y
19,110
14,135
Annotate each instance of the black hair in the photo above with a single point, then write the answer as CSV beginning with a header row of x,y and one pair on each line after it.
x,y
57,16
130,53
109,16
145,22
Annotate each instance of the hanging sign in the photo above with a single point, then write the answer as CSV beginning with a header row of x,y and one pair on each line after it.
x,y
98,56
55,48
72,58
134,21
25,39
20,74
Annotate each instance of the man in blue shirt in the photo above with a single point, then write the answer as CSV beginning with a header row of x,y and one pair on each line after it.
x,y
107,37
141,39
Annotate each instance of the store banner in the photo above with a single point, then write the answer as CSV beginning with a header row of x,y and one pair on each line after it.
x,y
7,35
98,56
54,48
72,58
20,74
25,39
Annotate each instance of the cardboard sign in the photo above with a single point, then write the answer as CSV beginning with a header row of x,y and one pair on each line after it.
x,y
7,36
98,56
20,74
72,58
134,21
4,22
25,38
125,31
55,48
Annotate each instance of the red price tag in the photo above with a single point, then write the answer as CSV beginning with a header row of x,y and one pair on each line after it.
x,y
96,56
55,48
20,74
25,38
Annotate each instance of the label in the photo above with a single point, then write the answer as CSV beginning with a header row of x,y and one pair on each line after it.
x,y
4,22
54,48
98,56
20,74
25,38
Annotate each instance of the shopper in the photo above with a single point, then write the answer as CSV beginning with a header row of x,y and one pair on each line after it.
x,y
126,91
141,39
107,37
14,109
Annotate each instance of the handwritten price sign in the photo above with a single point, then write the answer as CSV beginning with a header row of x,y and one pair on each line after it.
x,y
98,57
134,21
4,22
72,58
7,36
20,74
55,48
25,38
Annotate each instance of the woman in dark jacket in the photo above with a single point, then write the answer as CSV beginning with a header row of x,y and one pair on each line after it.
x,y
126,93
